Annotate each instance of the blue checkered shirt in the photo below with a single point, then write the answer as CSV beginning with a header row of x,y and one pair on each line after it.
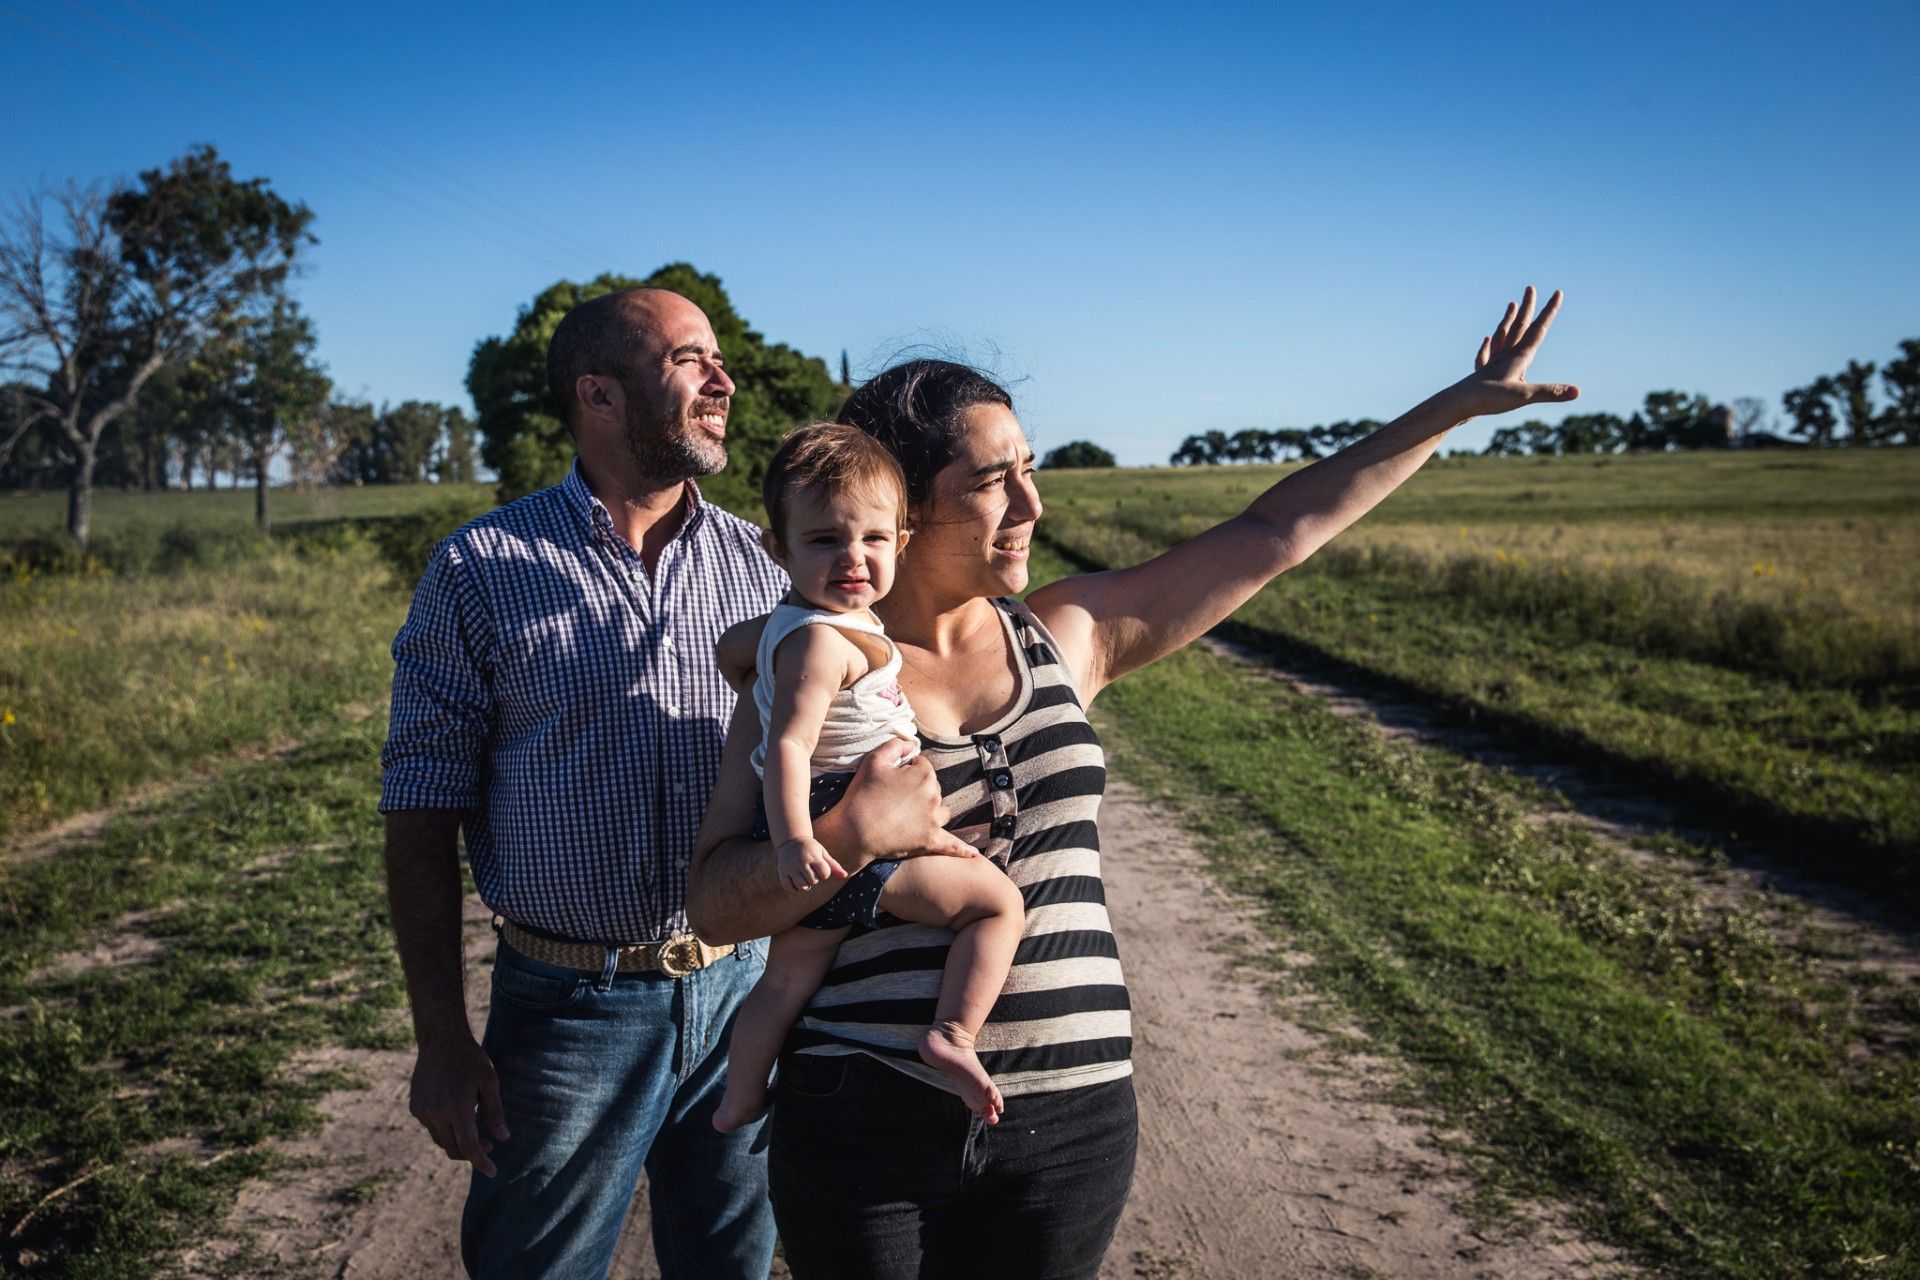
x,y
569,704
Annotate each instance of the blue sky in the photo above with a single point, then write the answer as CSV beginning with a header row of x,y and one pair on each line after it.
x,y
1159,222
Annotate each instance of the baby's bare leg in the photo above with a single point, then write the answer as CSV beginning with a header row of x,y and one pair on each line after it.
x,y
982,906
797,961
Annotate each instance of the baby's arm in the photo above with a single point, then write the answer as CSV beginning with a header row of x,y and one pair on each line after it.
x,y
811,666
737,651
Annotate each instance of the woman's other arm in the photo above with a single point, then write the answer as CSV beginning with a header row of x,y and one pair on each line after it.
x,y
1123,619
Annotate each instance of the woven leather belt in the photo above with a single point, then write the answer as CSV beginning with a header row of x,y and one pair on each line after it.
x,y
677,957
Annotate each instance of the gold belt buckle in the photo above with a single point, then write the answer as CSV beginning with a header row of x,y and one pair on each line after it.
x,y
680,955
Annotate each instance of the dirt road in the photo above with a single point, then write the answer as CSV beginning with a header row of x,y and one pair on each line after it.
x,y
1262,1154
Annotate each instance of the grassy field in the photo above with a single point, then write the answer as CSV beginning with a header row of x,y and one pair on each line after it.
x,y
118,513
1711,1088
242,918
245,922
1696,1082
1741,632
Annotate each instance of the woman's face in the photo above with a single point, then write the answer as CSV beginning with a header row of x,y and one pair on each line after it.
x,y
975,531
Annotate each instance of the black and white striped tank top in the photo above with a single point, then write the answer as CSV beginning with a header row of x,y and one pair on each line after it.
x,y
1035,778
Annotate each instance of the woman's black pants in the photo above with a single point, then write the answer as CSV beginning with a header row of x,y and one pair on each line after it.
x,y
875,1174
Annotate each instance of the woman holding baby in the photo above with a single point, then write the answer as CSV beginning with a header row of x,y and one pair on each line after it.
x,y
878,1166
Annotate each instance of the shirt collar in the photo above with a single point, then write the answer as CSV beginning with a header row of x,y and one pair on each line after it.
x,y
594,512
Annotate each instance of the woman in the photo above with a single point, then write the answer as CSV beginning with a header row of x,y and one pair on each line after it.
x,y
876,1171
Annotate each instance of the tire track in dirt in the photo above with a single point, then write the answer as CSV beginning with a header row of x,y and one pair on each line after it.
x,y
79,827
1263,1151
1849,930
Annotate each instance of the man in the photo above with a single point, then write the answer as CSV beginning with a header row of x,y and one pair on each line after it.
x,y
555,693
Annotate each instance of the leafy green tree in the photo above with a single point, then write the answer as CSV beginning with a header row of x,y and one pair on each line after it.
x,y
101,292
1295,442
1811,408
409,435
152,430
1591,433
1853,397
1077,453
347,430
276,383
1901,381
1672,420
400,444
525,440
459,458
1249,445
1192,452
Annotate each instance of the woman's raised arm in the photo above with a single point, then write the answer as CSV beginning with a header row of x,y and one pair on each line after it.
x,y
1123,619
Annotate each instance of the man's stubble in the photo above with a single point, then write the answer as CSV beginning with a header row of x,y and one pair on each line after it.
x,y
667,449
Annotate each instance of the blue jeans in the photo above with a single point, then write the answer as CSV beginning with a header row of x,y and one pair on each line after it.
x,y
600,1075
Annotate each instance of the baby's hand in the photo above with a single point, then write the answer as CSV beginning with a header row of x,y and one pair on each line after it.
x,y
804,863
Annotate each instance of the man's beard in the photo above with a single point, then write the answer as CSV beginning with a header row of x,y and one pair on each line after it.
x,y
670,451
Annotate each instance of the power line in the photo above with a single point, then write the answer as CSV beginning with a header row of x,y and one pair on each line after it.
x,y
551,230
487,207
296,148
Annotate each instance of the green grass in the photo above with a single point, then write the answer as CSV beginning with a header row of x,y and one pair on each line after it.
x,y
108,682
117,513
140,1096
1785,704
160,1081
1707,1092
1705,1096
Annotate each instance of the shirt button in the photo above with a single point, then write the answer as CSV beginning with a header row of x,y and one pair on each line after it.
x,y
673,711
1003,780
666,641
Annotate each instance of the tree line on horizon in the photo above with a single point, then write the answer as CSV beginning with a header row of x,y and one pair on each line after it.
x,y
1832,410
147,336
148,340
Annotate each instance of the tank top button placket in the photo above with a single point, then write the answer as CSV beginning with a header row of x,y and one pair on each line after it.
x,y
1002,794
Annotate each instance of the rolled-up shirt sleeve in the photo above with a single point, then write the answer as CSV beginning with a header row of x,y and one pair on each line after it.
x,y
442,702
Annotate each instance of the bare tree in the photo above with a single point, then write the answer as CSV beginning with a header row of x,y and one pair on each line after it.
x,y
1749,415
102,288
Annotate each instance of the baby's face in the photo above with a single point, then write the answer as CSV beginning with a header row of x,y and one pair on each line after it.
x,y
841,548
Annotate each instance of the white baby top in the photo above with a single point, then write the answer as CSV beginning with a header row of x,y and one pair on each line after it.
x,y
861,717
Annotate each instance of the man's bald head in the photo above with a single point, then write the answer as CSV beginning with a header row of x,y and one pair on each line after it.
x,y
602,336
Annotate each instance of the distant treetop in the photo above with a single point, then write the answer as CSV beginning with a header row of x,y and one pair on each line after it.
x,y
1078,453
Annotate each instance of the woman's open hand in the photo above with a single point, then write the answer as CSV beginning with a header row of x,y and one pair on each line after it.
x,y
1499,383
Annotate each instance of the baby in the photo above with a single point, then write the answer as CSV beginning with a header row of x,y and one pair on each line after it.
x,y
825,680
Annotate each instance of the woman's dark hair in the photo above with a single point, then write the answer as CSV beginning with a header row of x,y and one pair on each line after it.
x,y
915,410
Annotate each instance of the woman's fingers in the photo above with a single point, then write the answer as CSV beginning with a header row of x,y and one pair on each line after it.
x,y
1485,353
1524,316
1502,331
894,752
1537,332
950,844
1539,392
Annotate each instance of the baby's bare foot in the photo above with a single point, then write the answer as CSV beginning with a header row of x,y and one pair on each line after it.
x,y
948,1049
739,1107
